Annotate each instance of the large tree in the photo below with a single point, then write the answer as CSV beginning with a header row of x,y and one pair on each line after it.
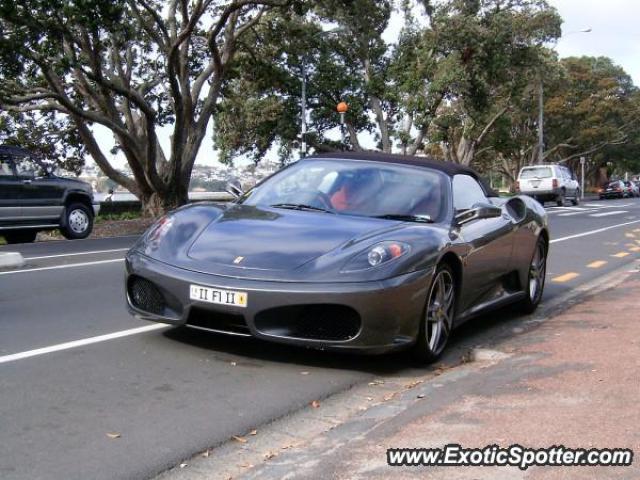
x,y
591,109
454,72
131,66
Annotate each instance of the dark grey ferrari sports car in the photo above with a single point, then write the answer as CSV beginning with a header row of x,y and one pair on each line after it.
x,y
355,252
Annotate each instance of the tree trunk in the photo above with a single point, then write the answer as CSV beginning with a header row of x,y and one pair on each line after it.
x,y
156,204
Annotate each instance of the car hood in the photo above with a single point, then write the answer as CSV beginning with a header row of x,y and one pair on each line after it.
x,y
258,243
277,239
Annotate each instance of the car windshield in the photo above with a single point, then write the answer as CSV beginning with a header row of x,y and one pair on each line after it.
x,y
352,187
536,172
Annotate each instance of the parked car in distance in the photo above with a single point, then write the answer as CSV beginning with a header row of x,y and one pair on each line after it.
x,y
549,183
632,188
32,199
613,189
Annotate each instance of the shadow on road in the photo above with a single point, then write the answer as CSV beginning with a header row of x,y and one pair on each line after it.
x,y
481,331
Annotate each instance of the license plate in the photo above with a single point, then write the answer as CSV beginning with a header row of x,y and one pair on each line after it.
x,y
535,183
218,296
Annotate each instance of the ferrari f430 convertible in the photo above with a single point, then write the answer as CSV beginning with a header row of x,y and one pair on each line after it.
x,y
353,252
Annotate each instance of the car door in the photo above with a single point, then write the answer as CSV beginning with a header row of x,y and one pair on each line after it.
x,y
9,193
489,242
41,196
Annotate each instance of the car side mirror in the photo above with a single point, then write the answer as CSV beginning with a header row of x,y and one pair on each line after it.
x,y
234,188
478,212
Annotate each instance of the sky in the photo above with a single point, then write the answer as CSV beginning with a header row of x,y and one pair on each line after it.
x,y
615,33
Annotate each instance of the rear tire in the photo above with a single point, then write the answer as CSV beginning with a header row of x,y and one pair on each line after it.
x,y
535,278
438,319
20,236
576,199
78,221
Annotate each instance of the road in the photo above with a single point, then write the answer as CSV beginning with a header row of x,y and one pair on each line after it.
x,y
170,394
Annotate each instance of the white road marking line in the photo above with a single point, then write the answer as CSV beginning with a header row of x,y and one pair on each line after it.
x,y
594,205
593,232
70,265
606,214
78,253
575,213
80,343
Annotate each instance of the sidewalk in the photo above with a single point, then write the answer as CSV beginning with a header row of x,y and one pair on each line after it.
x,y
573,381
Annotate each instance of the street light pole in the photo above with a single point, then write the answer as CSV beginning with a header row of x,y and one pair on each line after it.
x,y
303,113
540,120
582,162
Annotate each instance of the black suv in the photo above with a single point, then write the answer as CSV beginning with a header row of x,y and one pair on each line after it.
x,y
32,198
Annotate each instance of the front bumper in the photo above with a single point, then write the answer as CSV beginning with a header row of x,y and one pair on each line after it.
x,y
389,311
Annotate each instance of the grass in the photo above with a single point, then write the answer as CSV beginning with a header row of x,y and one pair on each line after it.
x,y
110,217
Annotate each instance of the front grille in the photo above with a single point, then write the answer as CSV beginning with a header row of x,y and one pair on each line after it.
x,y
146,296
313,322
219,321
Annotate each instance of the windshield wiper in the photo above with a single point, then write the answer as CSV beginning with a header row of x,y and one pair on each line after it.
x,y
407,218
300,206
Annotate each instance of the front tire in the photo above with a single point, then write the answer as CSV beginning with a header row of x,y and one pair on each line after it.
x,y
535,278
20,236
439,314
78,222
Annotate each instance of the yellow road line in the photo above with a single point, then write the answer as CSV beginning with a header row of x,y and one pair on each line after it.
x,y
566,277
597,264
620,254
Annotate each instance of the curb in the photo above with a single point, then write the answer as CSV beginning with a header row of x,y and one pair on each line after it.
x,y
11,260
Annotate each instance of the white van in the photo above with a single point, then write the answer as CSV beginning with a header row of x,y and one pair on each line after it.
x,y
549,183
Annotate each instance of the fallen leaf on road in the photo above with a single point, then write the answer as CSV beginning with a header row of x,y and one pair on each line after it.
x,y
315,404
233,364
113,435
270,455
389,396
239,439
182,465
377,382
253,432
206,453
413,384
421,395
370,399
304,373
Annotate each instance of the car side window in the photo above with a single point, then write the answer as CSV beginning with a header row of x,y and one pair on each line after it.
x,y
467,192
5,168
26,168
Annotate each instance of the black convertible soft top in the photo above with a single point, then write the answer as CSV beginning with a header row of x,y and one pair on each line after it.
x,y
449,168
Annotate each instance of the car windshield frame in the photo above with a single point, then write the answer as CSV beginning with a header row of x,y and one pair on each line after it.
x,y
257,197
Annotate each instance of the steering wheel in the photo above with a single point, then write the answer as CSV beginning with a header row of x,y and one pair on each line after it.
x,y
319,195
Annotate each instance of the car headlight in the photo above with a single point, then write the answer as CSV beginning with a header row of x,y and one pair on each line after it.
x,y
377,255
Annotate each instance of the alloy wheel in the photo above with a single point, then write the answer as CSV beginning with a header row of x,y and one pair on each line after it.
x,y
78,221
537,271
440,309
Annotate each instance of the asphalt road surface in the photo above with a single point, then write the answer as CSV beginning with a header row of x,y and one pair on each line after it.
x,y
169,394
